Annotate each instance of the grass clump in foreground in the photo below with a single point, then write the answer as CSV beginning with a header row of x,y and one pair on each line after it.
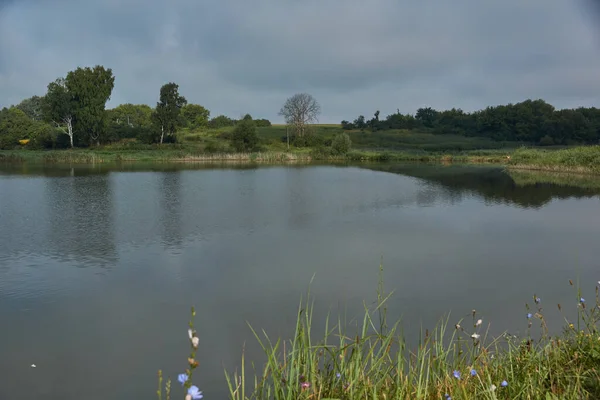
x,y
451,362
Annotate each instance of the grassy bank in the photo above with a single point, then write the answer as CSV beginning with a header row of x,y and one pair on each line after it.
x,y
453,361
583,159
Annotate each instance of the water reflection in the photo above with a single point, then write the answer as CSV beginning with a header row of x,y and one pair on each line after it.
x,y
80,216
495,185
170,208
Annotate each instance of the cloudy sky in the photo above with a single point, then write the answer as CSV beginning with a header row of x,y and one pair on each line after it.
x,y
354,56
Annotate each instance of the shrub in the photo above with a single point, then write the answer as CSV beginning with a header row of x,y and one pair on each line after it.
x,y
341,144
244,137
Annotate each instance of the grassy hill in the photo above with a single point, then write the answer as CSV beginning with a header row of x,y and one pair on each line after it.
x,y
273,138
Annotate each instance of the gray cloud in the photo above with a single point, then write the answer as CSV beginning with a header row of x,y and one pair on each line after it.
x,y
355,57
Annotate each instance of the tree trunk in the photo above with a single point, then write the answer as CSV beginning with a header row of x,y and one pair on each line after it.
x,y
162,133
70,130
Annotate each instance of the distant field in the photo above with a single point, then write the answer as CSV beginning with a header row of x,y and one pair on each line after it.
x,y
273,137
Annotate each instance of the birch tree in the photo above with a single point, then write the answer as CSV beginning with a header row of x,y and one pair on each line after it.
x,y
168,109
59,107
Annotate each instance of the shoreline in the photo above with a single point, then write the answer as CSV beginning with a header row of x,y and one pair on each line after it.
x,y
560,161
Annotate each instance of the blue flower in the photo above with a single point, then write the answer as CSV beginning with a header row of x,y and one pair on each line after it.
x,y
504,384
447,397
537,300
529,315
473,372
456,374
182,378
195,393
338,375
582,300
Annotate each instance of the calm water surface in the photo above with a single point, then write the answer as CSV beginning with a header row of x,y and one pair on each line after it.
x,y
99,266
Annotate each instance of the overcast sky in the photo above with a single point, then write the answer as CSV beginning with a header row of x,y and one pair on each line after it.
x,y
354,56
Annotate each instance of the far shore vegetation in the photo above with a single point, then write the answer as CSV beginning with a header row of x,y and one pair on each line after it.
x,y
70,124
457,359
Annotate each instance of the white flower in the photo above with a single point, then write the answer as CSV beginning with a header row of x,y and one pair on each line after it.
x,y
457,326
195,342
190,334
479,322
475,336
493,387
188,397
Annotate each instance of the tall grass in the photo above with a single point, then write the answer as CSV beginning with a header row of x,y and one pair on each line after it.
x,y
458,361
575,159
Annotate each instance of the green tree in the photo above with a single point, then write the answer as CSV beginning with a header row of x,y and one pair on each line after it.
x,y
221,121
59,107
132,115
244,137
15,125
341,143
32,107
167,109
195,116
90,89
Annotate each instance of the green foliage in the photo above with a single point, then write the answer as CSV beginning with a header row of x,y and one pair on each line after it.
x,y
167,110
341,144
195,116
458,361
32,107
244,138
90,89
15,125
132,115
528,121
221,121
261,123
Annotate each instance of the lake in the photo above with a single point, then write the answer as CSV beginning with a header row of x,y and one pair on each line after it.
x,y
99,265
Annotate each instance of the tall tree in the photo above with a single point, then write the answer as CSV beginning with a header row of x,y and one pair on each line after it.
x,y
32,107
300,110
244,136
168,109
91,89
195,116
59,107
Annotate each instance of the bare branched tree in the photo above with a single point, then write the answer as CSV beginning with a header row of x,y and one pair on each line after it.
x,y
300,110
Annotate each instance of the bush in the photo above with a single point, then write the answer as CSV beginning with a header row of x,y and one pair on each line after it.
x,y
244,137
341,144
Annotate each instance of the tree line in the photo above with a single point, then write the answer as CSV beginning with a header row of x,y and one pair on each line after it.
x,y
530,121
72,113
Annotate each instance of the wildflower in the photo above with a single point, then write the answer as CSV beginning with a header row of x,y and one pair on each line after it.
x,y
447,397
479,322
504,384
190,334
493,387
582,300
182,378
475,336
193,393
473,372
529,315
537,300
193,363
305,385
571,326
338,375
457,326
195,342
456,374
